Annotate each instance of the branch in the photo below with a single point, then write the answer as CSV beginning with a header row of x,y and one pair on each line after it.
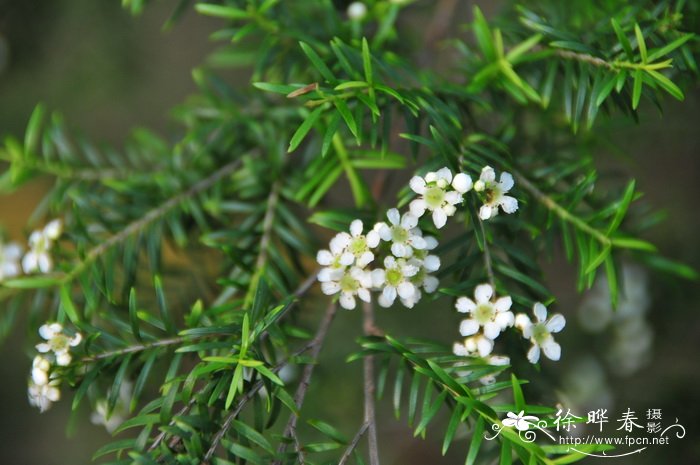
x,y
140,348
351,447
317,343
487,256
368,365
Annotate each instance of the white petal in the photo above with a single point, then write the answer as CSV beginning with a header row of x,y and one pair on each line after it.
x,y
45,263
356,228
540,312
364,259
492,330
35,237
507,182
430,242
372,239
383,301
40,377
503,304
43,347
468,327
509,421
330,288
325,275
430,283
394,216
30,262
53,229
533,355
485,212
417,242
389,262
324,257
439,217
453,198
11,251
551,349
483,293
378,277
522,321
389,294
75,340
431,263
53,394
409,221
444,173
409,270
347,301
462,183
47,331
556,323
459,350
509,204
417,185
384,231
364,294
406,290
485,346
504,319
63,359
417,207
465,305
339,243
399,250
487,174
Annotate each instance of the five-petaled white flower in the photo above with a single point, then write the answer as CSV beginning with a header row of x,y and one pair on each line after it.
x,y
540,332
396,279
349,283
520,421
42,396
359,245
10,254
402,233
435,196
474,345
494,193
40,242
494,317
336,259
57,342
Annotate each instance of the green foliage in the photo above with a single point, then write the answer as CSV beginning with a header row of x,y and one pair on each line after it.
x,y
256,169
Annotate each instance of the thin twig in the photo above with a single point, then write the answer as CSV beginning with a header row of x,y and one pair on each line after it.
x,y
353,444
585,58
487,256
322,330
305,381
369,388
140,347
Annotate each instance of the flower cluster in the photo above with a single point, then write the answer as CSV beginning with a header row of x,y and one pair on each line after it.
x,y
408,262
37,258
43,384
489,316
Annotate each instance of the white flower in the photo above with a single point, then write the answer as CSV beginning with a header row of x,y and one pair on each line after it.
x,y
402,233
349,283
520,421
494,193
540,332
42,396
40,243
57,342
494,317
422,279
396,280
435,196
9,260
474,345
336,259
357,11
101,416
359,245
40,370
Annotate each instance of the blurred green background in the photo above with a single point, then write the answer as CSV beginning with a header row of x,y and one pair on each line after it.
x,y
108,72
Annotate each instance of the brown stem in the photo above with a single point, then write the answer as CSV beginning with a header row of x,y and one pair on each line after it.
x,y
353,444
369,388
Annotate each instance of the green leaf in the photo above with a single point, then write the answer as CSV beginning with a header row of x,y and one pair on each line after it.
x,y
276,88
163,306
304,129
347,117
483,35
640,43
622,207
330,132
624,41
367,62
637,88
475,444
666,49
667,84
133,316
67,304
328,430
221,11
32,282
632,243
518,397
317,62
452,427
593,264
32,135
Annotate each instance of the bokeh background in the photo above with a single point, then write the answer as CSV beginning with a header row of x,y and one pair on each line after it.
x,y
108,72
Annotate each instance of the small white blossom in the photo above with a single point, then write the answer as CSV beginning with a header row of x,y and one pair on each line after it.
x,y
42,396
494,317
474,345
349,283
357,11
40,242
101,415
10,254
40,370
57,342
402,233
396,280
336,259
359,245
540,332
494,193
436,195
